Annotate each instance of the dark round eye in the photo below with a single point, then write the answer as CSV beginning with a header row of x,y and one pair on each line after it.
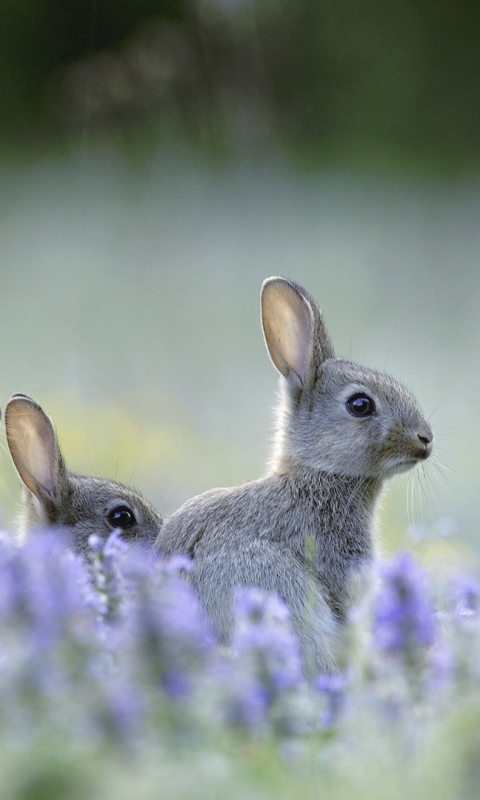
x,y
121,517
360,405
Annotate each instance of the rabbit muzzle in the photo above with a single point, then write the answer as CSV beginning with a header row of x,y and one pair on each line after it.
x,y
425,445
420,448
403,452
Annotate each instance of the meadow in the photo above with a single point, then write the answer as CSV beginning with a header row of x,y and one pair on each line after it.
x,y
159,160
111,684
129,309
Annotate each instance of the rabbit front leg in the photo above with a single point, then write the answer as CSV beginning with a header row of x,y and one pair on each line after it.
x,y
272,568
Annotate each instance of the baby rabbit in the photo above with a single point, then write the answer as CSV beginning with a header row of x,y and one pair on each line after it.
x,y
52,496
306,530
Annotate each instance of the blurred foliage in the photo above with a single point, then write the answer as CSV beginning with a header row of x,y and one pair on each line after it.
x,y
377,81
85,255
135,298
88,246
376,768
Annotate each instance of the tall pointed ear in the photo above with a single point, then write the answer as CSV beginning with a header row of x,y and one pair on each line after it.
x,y
293,327
33,445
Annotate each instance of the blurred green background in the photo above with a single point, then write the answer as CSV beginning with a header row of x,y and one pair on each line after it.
x,y
160,159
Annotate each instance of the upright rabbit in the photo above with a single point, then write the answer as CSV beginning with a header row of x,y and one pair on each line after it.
x,y
52,496
306,530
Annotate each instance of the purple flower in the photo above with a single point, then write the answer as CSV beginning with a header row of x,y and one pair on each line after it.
x,y
116,709
464,595
244,702
46,626
461,630
107,557
403,623
43,586
333,689
262,634
264,664
171,634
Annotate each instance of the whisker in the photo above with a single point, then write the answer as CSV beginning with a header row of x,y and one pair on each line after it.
x,y
409,504
429,485
432,485
410,488
440,464
433,480
174,485
116,462
421,494
439,477
440,467
441,451
443,400
134,470
415,492
450,429
90,461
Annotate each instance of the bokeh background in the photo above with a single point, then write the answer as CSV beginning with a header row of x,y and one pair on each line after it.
x,y
160,159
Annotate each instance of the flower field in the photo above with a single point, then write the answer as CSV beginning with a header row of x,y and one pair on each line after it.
x,y
112,685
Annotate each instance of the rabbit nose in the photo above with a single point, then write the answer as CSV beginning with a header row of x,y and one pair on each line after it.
x,y
427,441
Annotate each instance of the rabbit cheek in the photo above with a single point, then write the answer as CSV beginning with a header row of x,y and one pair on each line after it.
x,y
359,456
44,511
399,454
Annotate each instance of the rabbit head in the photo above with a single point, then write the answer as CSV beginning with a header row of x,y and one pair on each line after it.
x,y
76,505
334,416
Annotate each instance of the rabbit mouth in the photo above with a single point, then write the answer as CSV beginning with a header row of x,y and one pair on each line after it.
x,y
424,453
404,463
416,451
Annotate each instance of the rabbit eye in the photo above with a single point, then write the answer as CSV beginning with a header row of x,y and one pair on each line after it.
x,y
360,405
121,517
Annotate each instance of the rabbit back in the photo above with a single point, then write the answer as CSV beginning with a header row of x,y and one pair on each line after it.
x,y
281,537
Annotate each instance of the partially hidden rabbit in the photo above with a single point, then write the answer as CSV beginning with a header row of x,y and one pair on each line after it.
x,y
307,530
54,497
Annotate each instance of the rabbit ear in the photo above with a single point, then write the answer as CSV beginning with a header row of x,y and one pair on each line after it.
x,y
33,445
293,327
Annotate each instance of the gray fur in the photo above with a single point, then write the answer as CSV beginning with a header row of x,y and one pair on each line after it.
x,y
53,497
306,530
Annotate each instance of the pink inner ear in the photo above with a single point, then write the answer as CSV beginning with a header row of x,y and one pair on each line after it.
x,y
293,327
288,325
39,480
40,453
297,337
32,441
43,476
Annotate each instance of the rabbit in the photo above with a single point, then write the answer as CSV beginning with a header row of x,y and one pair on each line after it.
x,y
53,497
306,530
